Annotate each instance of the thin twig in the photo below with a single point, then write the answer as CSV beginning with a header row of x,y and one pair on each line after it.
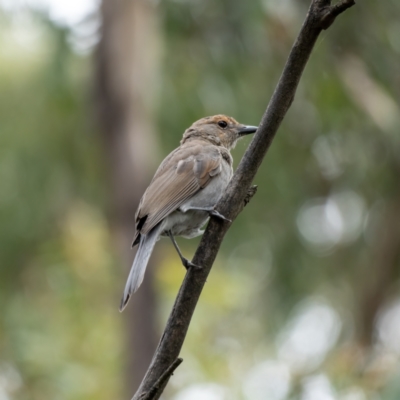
x,y
334,11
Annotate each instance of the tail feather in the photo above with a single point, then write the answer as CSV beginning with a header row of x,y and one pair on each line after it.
x,y
135,278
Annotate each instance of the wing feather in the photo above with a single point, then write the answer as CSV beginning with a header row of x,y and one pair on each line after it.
x,y
181,175
165,208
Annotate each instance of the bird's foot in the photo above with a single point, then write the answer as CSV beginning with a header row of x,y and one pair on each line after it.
x,y
212,212
188,264
216,214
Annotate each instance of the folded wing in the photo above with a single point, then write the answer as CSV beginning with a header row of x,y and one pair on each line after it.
x,y
182,174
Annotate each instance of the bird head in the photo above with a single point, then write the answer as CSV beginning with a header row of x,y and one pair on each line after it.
x,y
220,130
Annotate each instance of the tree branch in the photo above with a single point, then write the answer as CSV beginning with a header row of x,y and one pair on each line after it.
x,y
161,382
320,16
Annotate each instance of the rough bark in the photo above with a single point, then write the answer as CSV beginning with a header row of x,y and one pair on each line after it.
x,y
125,89
320,16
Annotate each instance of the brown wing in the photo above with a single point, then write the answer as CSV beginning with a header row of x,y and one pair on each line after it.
x,y
182,174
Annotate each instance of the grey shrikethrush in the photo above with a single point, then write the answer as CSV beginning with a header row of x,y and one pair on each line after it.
x,y
184,190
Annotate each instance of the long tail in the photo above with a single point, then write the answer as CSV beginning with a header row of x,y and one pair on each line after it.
x,y
139,265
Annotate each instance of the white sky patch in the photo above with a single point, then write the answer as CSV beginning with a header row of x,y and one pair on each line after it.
x,y
267,380
63,12
209,391
309,335
80,16
318,387
327,222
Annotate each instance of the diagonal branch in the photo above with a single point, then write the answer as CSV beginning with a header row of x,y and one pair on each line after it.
x,y
320,16
162,380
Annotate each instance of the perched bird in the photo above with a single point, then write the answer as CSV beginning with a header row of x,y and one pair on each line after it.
x,y
184,190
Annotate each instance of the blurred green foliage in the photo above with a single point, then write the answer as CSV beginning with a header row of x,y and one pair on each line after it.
x,y
289,288
53,234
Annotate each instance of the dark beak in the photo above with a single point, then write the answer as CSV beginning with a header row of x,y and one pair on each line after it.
x,y
247,129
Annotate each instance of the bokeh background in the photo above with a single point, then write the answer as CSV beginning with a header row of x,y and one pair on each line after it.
x,y
303,301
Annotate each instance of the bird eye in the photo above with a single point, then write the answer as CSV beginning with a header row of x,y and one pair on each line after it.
x,y
222,124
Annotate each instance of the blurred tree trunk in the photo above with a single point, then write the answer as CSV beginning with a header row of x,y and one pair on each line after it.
x,y
383,272
126,71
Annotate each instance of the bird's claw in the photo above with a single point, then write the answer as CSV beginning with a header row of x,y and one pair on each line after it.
x,y
188,264
216,214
